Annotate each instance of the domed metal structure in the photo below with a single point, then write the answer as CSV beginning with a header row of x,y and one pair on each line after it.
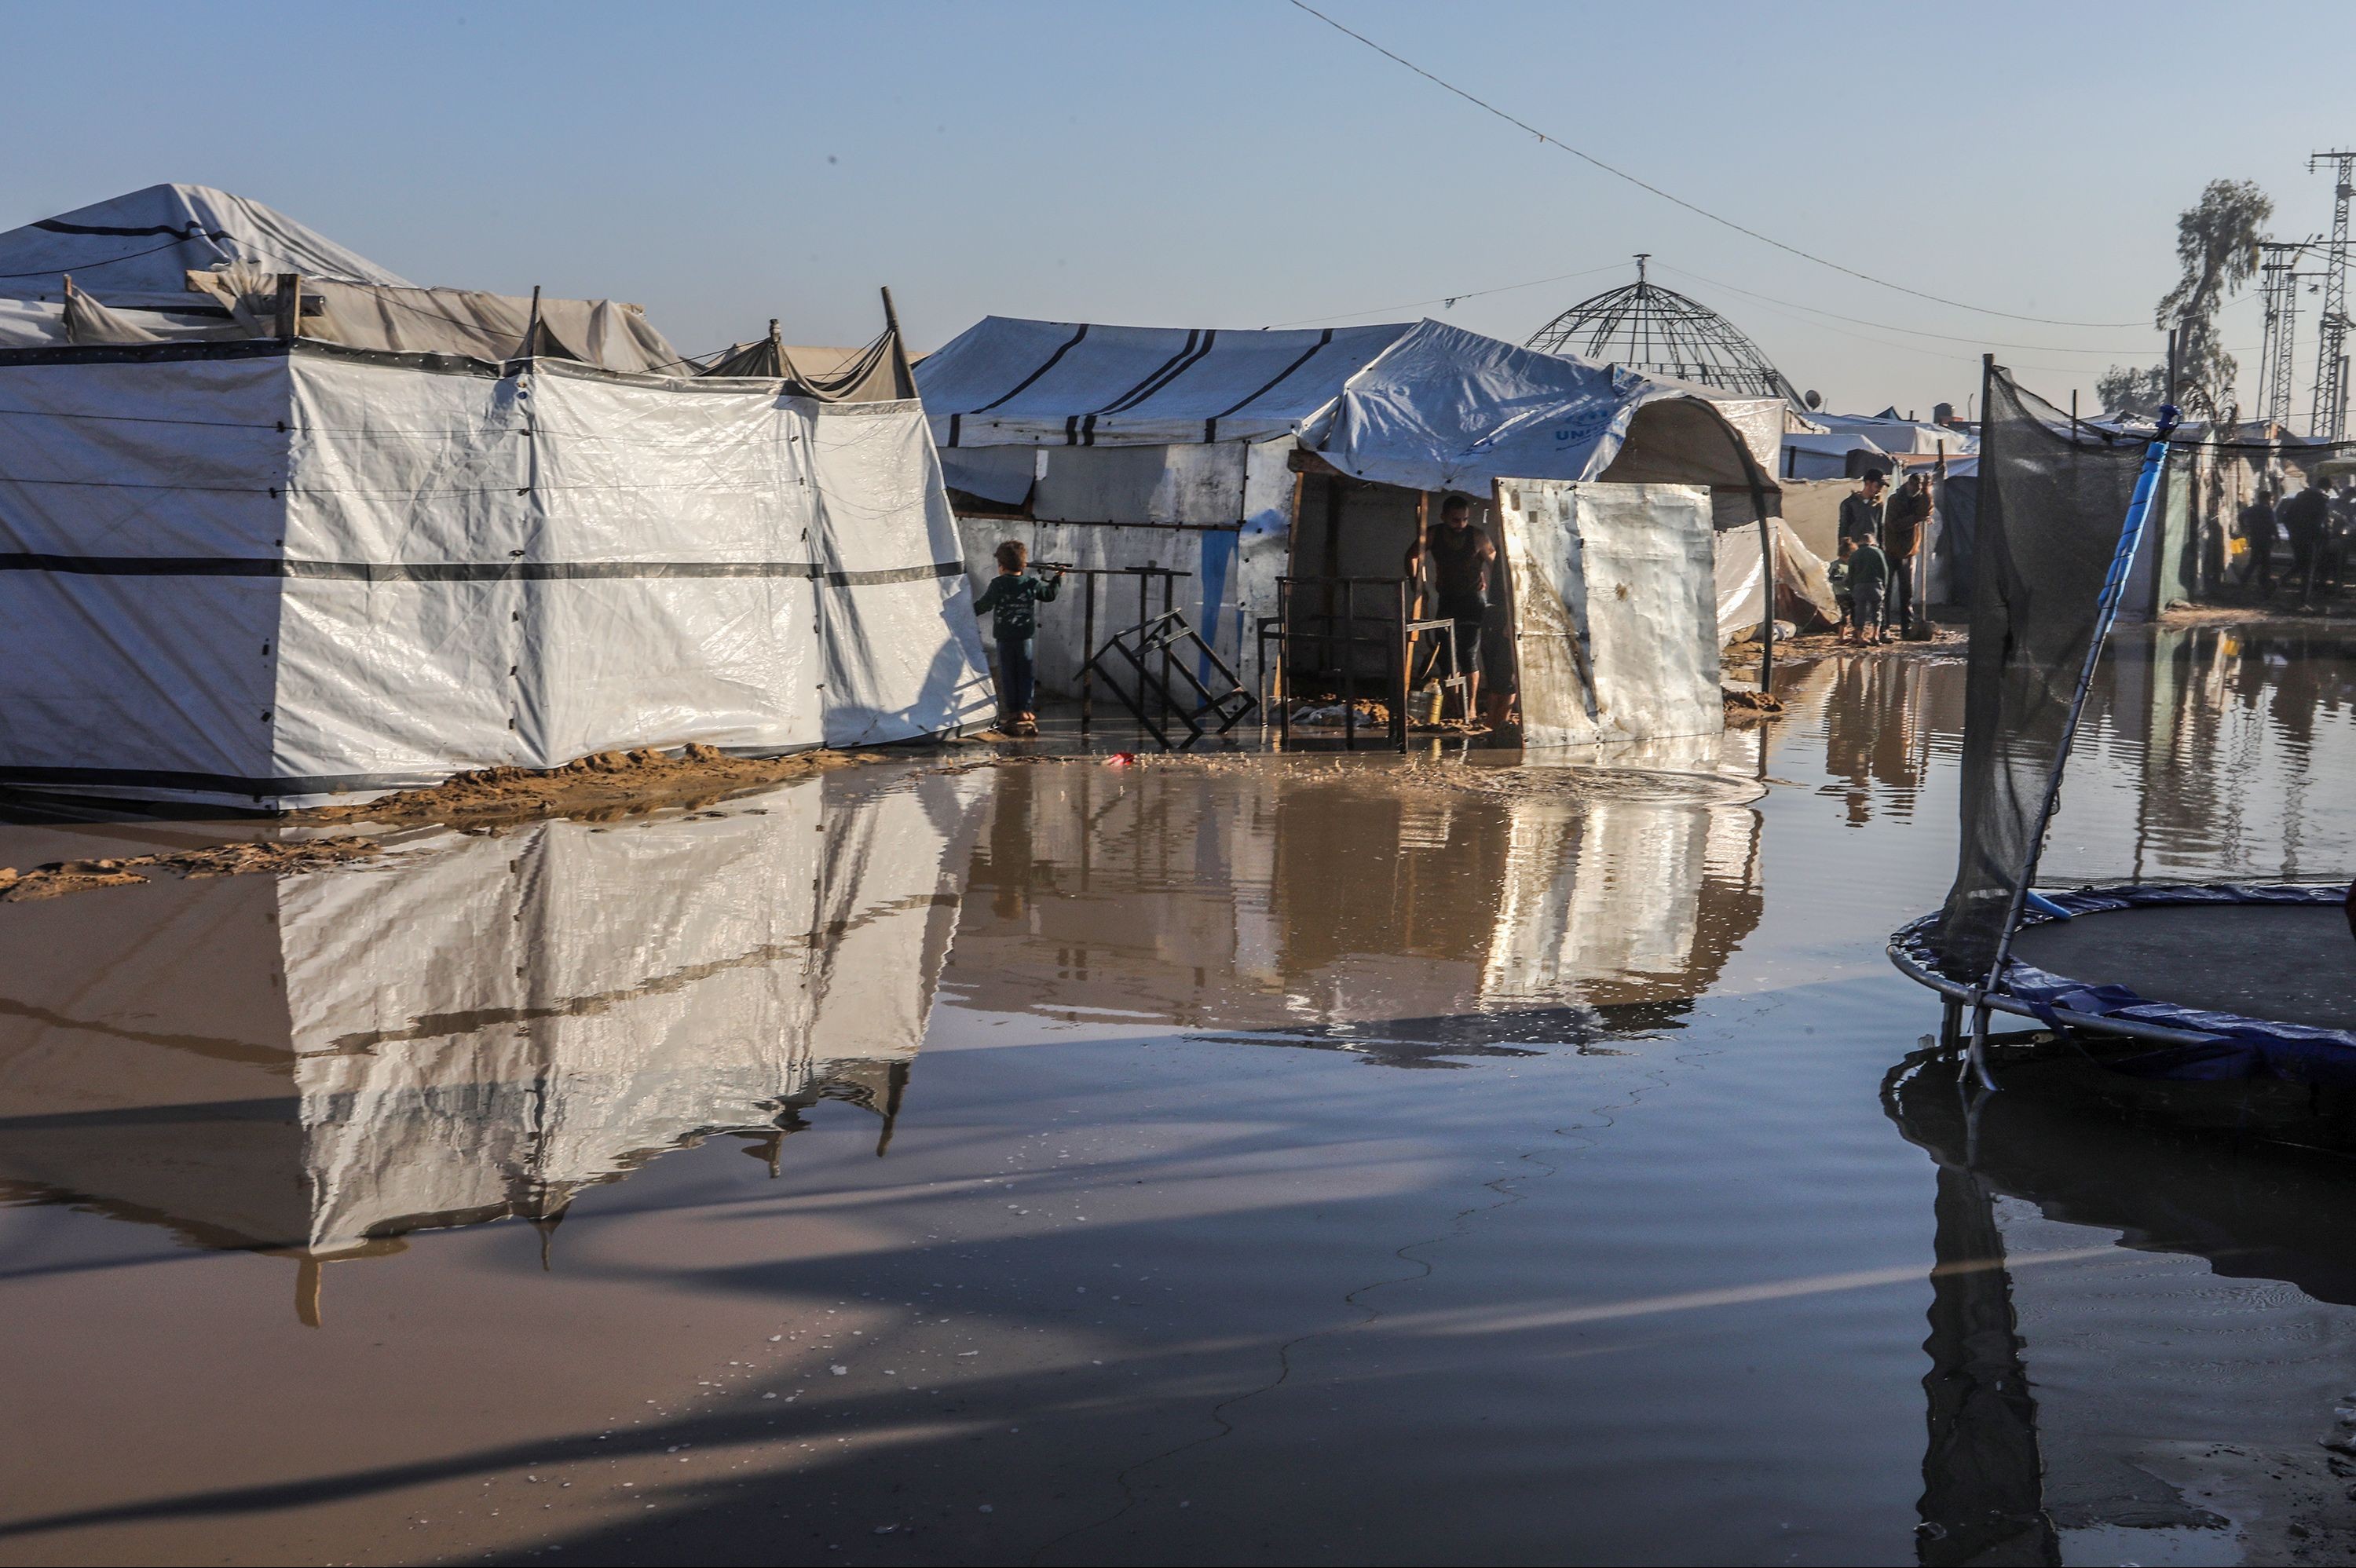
x,y
1644,327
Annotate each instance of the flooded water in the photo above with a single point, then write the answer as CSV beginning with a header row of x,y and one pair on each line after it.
x,y
1247,1160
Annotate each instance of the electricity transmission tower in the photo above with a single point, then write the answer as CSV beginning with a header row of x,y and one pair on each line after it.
x,y
2331,354
2278,282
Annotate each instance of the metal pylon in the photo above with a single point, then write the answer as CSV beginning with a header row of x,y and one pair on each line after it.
x,y
2279,283
2331,421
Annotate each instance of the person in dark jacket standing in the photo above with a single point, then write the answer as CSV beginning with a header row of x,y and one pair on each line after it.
x,y
1908,515
1860,510
2257,520
1009,598
2303,518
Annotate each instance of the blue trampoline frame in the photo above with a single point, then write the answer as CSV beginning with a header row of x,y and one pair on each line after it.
x,y
2194,1043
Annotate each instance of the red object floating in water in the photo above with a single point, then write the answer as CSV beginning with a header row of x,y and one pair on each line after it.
x,y
1121,760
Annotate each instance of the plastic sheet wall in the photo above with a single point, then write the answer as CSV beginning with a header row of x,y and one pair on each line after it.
x,y
1615,611
1235,499
251,575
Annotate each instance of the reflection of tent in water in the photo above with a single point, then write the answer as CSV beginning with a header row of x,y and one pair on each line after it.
x,y
2211,1442
480,1029
1407,920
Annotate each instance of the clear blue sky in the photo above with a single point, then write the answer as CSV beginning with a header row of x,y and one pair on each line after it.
x,y
1236,164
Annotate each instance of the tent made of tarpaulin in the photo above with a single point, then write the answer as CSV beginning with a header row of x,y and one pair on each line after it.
x,y
238,303
138,249
1803,589
487,1028
401,320
1832,455
1009,383
1443,408
1128,446
180,263
871,373
1891,434
268,572
1426,406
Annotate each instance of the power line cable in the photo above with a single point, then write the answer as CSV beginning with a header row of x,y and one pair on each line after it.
x,y
1911,331
94,266
1556,143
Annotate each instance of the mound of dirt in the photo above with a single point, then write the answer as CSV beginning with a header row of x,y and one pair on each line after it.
x,y
1946,642
1581,783
1751,707
60,876
608,784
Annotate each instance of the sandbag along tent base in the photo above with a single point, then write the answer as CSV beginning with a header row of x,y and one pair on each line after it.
x,y
269,571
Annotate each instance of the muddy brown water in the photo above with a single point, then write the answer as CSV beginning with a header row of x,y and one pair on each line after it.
x,y
1270,1160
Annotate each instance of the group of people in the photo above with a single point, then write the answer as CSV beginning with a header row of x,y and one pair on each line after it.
x,y
1873,579
2317,522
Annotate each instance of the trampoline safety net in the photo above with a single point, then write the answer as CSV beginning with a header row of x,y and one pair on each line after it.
x,y
2053,496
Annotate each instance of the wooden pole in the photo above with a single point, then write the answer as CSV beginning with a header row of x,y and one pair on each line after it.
x,y
904,375
290,305
1088,652
1406,649
1350,664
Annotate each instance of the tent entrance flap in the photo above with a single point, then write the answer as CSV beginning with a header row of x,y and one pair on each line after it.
x,y
1615,613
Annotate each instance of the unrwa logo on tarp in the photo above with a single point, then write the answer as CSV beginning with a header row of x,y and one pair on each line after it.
x,y
1581,429
1587,429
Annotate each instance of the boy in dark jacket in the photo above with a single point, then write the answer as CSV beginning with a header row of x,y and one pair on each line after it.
x,y
1868,577
1009,598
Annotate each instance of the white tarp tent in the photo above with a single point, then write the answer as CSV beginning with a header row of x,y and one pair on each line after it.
x,y
1804,588
265,572
1426,405
137,249
1443,408
1812,454
1219,417
1009,383
1890,432
175,262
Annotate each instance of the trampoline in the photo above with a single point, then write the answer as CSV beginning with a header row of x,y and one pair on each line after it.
x,y
2226,981
2231,980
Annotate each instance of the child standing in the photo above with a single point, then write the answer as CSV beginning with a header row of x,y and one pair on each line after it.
x,y
1009,598
1869,578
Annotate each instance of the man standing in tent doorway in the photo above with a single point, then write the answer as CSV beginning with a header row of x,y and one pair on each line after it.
x,y
1462,561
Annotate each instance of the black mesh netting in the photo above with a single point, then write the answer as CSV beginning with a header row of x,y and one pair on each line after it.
x,y
2054,494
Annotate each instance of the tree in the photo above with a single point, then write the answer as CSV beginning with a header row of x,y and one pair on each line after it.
x,y
2217,241
2123,389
